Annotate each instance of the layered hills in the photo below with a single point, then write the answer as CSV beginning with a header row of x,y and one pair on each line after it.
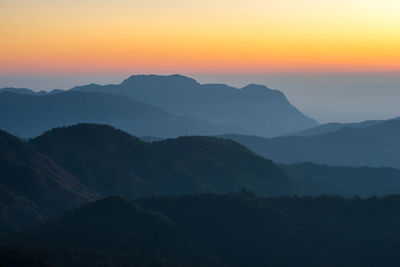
x,y
256,109
374,146
33,187
220,230
30,115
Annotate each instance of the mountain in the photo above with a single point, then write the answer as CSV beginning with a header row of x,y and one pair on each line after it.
x,y
226,166
25,91
325,231
151,139
113,162
113,232
220,230
333,127
33,187
31,115
318,180
16,258
375,146
256,109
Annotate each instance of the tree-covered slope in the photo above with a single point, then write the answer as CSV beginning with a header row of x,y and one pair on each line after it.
x,y
221,230
317,180
113,162
33,187
113,232
325,231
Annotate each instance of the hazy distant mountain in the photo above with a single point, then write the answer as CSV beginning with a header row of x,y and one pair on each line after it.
x,y
113,162
32,186
30,115
333,127
376,146
317,180
255,108
25,91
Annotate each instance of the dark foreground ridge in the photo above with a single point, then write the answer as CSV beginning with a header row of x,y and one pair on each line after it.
x,y
218,230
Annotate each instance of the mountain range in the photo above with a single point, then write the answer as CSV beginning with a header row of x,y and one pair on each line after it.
x,y
176,106
376,146
256,108
66,167
219,230
113,162
333,127
33,187
30,115
78,188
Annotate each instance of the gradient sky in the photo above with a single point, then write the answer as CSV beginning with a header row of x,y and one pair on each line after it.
x,y
232,41
202,36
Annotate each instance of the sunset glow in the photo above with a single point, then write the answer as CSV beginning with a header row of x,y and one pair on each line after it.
x,y
252,36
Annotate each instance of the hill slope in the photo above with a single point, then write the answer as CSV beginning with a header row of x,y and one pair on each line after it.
x,y
333,127
113,232
31,115
374,146
317,180
255,108
113,162
326,231
214,230
33,187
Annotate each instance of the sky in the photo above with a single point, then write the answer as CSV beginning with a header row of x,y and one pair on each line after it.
x,y
318,45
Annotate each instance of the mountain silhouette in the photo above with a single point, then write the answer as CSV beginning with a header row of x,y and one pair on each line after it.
x,y
375,146
114,232
25,91
318,180
67,167
30,115
112,162
255,108
220,230
33,187
247,231
333,127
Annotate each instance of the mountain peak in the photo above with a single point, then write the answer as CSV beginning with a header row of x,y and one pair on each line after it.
x,y
254,86
151,79
259,88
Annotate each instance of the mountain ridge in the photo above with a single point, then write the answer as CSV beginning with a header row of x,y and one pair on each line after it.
x,y
255,108
31,115
192,164
374,146
33,187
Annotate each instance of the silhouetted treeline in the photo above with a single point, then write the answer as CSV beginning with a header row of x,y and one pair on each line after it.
x,y
215,230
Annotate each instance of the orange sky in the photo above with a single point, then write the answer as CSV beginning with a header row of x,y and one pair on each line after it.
x,y
221,36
